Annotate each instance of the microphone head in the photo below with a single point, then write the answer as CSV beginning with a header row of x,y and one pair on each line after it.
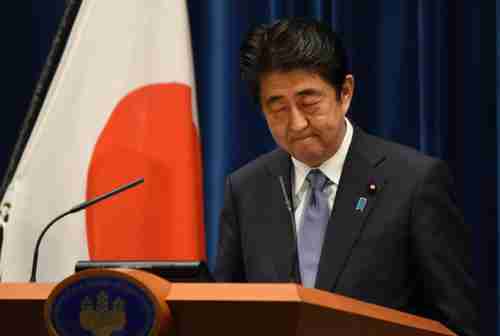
x,y
285,194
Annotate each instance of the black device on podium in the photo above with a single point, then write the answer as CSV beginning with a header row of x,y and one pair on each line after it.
x,y
174,271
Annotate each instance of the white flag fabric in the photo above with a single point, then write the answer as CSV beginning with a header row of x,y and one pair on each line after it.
x,y
121,106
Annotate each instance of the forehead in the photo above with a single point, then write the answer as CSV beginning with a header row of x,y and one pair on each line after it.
x,y
285,83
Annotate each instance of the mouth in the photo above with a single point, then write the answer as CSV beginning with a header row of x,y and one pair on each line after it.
x,y
303,138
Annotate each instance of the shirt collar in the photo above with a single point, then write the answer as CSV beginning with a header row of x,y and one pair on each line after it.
x,y
332,167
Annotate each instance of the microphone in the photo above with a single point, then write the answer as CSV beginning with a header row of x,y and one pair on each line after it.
x,y
77,208
294,274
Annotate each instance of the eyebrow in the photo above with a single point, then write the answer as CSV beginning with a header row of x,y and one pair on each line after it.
x,y
301,93
308,92
273,99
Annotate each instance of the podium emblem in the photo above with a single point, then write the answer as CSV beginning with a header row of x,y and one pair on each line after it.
x,y
104,303
99,318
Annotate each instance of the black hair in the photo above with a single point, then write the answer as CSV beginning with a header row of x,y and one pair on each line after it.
x,y
293,44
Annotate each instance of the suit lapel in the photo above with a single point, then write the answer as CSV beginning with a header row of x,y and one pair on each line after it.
x,y
280,234
346,221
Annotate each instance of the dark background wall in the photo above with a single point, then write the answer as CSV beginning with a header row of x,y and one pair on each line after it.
x,y
420,81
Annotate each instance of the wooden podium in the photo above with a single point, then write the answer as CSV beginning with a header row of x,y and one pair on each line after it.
x,y
238,309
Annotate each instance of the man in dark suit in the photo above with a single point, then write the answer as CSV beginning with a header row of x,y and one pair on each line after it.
x,y
366,218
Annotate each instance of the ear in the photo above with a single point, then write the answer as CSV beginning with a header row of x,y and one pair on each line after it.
x,y
347,89
347,92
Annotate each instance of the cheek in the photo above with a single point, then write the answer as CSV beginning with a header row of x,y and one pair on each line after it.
x,y
330,118
326,127
278,130
320,123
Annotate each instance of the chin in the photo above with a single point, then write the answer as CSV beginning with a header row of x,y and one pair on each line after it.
x,y
311,159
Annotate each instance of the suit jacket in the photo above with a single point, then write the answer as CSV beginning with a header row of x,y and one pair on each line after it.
x,y
409,249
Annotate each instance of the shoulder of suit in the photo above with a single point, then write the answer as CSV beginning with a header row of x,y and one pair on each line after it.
x,y
259,167
396,154
392,155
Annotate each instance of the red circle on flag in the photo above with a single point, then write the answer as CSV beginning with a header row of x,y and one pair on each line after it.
x,y
149,134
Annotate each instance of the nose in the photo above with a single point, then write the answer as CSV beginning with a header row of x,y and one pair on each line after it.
x,y
297,121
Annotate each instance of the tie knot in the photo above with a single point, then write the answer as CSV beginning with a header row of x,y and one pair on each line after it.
x,y
317,180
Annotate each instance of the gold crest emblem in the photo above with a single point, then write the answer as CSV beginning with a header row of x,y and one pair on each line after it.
x,y
101,319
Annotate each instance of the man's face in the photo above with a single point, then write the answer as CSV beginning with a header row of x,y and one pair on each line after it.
x,y
305,114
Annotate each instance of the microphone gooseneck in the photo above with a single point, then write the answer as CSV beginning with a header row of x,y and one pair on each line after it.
x,y
86,204
37,246
77,208
294,273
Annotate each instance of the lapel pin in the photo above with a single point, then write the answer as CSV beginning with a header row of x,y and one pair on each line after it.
x,y
372,188
360,206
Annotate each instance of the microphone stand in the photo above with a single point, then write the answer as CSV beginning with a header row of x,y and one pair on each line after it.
x,y
77,208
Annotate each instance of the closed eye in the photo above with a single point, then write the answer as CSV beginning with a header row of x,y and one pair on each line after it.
x,y
310,105
310,98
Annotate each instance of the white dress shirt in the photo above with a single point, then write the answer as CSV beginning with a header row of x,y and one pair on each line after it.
x,y
332,168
